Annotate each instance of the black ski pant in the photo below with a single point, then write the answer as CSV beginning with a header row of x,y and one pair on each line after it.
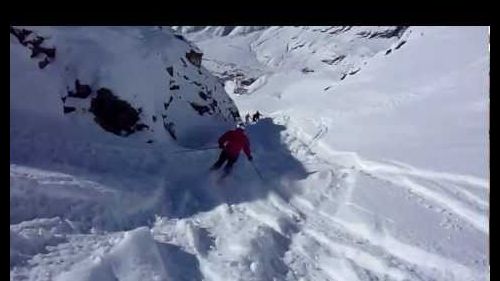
x,y
223,157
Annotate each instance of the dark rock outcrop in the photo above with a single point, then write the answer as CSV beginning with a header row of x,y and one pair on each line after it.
x,y
170,70
334,61
248,81
184,62
194,58
68,109
203,95
400,44
170,127
114,115
34,42
180,37
389,33
20,34
167,104
340,29
354,71
81,91
201,109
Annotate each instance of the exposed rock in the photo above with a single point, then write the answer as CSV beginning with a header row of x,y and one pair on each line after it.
x,y
184,62
213,105
170,70
49,52
20,34
42,64
81,91
170,127
298,46
68,109
340,29
307,70
334,61
114,115
167,104
180,37
224,76
240,91
248,82
392,32
201,109
33,42
140,127
354,71
203,95
235,114
194,58
400,44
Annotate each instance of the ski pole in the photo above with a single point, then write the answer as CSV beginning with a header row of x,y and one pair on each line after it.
x,y
257,171
193,150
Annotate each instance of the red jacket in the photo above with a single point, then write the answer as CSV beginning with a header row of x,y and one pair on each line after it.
x,y
233,141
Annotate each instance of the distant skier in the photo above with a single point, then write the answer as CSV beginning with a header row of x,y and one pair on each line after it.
x,y
247,118
231,143
256,116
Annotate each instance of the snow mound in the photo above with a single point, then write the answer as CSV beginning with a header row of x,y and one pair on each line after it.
x,y
135,257
139,80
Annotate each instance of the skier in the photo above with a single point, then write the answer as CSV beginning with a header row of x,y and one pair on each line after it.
x,y
256,116
231,143
247,118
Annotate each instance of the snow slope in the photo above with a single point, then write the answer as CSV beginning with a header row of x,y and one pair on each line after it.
x,y
357,183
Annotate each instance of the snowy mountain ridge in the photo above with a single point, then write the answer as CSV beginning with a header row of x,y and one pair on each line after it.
x,y
252,53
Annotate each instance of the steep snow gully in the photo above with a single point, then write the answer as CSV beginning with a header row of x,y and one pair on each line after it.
x,y
90,205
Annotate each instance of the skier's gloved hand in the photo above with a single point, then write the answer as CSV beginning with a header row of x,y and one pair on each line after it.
x,y
250,158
